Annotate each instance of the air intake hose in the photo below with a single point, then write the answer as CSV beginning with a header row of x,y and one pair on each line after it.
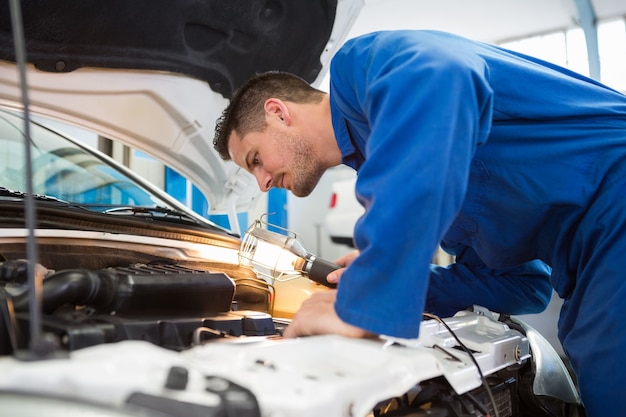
x,y
76,287
137,290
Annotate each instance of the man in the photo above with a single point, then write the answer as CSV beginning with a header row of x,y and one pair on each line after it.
x,y
515,166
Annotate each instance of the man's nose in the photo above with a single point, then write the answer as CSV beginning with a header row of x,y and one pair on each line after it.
x,y
264,179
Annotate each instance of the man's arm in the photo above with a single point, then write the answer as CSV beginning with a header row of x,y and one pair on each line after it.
x,y
427,106
523,289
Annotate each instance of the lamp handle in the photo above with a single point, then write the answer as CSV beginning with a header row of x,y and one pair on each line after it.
x,y
319,269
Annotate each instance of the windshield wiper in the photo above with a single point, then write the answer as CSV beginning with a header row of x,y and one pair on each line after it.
x,y
156,212
5,192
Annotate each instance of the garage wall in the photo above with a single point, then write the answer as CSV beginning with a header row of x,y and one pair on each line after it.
x,y
306,216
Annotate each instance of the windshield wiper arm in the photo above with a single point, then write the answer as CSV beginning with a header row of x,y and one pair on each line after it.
x,y
155,212
5,192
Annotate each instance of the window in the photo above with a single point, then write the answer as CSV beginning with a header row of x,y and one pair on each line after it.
x,y
568,48
612,46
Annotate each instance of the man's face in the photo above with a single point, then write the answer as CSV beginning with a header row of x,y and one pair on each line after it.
x,y
278,157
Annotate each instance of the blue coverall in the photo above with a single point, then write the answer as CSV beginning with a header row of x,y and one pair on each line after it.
x,y
514,165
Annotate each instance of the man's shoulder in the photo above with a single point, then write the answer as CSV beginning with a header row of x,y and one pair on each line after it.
x,y
414,36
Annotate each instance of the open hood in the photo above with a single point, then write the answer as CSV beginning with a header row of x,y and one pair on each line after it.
x,y
155,75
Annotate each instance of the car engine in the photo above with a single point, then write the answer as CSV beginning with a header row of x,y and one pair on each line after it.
x,y
195,312
169,305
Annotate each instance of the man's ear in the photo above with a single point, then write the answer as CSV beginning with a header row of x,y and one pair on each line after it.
x,y
277,109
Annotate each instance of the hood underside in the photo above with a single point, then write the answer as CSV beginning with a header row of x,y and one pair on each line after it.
x,y
155,75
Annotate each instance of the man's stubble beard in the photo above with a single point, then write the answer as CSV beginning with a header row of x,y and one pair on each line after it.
x,y
305,168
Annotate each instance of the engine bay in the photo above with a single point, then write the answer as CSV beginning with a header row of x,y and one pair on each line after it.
x,y
170,306
135,319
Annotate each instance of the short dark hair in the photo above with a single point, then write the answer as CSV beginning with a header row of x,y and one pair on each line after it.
x,y
245,113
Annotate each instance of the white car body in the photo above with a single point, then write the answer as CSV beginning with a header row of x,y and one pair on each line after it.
x,y
343,212
323,375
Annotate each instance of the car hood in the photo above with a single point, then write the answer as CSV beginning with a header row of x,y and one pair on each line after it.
x,y
156,75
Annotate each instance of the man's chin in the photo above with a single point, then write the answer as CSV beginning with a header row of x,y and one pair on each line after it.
x,y
305,188
300,193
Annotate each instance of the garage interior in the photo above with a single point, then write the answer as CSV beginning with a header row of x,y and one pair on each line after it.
x,y
586,36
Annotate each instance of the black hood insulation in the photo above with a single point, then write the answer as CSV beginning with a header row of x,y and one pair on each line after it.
x,y
221,42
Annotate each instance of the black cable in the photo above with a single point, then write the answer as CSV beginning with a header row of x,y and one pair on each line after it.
x,y
471,355
477,403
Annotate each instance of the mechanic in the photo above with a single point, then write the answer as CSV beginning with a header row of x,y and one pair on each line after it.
x,y
515,166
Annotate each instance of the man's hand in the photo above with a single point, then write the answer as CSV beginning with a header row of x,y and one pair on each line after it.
x,y
344,261
317,316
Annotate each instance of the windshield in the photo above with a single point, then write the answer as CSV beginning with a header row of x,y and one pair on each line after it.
x,y
64,170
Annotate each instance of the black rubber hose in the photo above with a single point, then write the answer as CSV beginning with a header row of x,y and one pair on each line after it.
x,y
75,287
15,271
